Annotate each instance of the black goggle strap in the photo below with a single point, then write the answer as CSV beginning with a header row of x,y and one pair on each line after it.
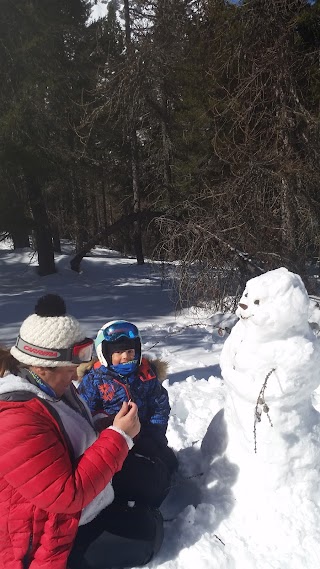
x,y
60,355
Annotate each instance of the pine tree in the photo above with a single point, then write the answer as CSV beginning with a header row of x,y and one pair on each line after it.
x,y
37,50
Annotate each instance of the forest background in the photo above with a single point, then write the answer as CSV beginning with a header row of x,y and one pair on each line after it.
x,y
180,130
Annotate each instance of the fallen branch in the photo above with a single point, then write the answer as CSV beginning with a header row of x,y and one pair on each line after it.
x,y
145,216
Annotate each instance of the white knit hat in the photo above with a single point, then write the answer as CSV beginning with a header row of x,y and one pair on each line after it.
x,y
50,328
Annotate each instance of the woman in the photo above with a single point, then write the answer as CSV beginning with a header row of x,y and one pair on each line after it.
x,y
55,470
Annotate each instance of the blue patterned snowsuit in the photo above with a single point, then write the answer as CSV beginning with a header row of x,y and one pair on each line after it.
x,y
104,391
146,474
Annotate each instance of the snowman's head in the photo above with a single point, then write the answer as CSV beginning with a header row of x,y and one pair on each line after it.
x,y
275,304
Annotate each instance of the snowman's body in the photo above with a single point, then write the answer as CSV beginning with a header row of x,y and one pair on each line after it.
x,y
271,365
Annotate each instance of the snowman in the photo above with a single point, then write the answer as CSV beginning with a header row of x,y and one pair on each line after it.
x,y
270,366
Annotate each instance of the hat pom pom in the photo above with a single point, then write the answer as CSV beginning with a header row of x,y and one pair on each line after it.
x,y
50,305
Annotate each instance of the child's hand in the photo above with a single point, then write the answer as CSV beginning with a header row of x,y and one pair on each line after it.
x,y
127,419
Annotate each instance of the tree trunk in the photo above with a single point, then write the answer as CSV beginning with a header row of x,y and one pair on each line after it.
x,y
166,143
104,211
296,258
56,238
20,239
287,218
42,230
137,234
79,214
137,237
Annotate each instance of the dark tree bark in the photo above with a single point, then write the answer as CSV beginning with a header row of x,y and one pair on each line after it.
x,y
42,228
104,210
79,213
20,239
56,238
137,237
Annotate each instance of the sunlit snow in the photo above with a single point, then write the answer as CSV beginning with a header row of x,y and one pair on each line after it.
x,y
230,507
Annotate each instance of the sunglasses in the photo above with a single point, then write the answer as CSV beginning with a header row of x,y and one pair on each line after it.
x,y
116,331
77,354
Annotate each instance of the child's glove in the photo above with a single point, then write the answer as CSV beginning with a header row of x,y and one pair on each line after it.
x,y
156,447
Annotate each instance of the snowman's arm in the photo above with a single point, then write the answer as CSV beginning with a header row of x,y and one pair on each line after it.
x,y
230,348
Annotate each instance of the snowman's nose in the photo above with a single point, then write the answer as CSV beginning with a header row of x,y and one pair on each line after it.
x,y
243,306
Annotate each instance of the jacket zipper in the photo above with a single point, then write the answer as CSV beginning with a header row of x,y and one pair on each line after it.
x,y
125,386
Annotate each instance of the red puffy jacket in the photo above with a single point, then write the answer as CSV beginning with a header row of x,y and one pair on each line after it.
x,y
41,492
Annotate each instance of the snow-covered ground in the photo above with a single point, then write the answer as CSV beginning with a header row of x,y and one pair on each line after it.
x,y
199,508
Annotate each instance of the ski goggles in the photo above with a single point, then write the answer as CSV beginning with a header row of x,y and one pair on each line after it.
x,y
116,331
77,354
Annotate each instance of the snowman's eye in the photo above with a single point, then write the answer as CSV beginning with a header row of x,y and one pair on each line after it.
x,y
246,295
256,302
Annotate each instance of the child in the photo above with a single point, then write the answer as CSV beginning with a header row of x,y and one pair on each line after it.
x,y
121,374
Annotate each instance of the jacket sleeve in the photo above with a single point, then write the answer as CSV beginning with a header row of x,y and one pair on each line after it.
x,y
89,392
158,402
34,459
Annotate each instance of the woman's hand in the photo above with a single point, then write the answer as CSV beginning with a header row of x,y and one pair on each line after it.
x,y
127,419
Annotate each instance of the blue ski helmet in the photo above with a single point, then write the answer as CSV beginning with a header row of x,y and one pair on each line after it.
x,y
117,335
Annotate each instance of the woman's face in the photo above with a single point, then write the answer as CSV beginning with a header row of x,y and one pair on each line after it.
x,y
59,378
